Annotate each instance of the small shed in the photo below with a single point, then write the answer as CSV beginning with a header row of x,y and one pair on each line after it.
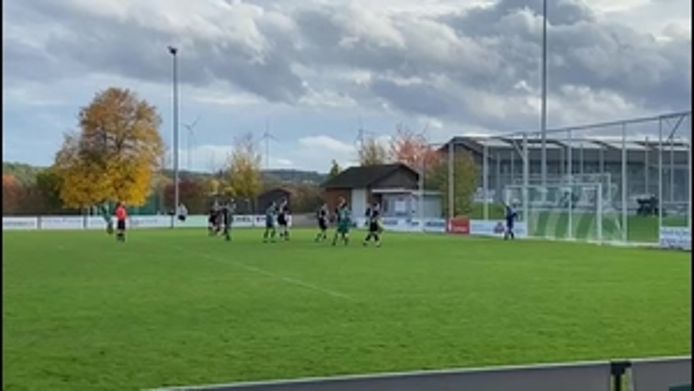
x,y
277,194
394,186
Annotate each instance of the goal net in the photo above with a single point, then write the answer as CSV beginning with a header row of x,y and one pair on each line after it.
x,y
564,209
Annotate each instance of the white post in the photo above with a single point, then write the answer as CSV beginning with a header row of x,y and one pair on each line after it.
x,y
646,168
543,114
497,192
526,168
599,211
421,194
624,184
485,184
660,174
689,174
570,228
451,198
672,169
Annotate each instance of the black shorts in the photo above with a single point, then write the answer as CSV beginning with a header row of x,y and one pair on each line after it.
x,y
373,227
121,225
282,220
322,224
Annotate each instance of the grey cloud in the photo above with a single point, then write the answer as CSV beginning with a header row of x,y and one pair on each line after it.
x,y
102,44
467,65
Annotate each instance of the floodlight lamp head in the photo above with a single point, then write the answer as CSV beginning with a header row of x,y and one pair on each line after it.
x,y
173,50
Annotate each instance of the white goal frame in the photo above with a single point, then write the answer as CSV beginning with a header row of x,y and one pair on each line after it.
x,y
524,191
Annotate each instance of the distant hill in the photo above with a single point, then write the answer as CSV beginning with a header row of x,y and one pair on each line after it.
x,y
26,174
294,176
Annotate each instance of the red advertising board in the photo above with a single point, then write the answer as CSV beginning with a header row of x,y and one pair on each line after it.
x,y
459,226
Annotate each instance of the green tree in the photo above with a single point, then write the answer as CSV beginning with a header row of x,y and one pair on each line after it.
x,y
372,153
48,184
244,175
335,170
465,177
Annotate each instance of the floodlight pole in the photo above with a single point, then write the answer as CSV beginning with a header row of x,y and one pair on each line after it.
x,y
451,187
543,114
173,52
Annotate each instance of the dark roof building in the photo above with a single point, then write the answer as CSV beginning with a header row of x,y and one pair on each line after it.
x,y
362,185
382,175
276,194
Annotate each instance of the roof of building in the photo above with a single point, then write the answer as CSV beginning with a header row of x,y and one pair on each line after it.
x,y
275,190
360,177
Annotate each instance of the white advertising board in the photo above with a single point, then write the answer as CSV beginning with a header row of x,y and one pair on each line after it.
x,y
435,225
192,221
676,238
97,222
153,221
19,223
61,222
243,221
497,228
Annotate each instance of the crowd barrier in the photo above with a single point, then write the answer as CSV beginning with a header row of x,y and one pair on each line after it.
x,y
670,237
659,374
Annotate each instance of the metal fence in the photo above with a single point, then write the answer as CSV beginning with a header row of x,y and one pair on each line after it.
x,y
656,374
617,181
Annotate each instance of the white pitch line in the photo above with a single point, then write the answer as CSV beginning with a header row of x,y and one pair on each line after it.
x,y
281,277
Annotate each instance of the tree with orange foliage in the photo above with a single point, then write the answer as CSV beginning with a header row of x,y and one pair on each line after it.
x,y
12,194
413,150
116,154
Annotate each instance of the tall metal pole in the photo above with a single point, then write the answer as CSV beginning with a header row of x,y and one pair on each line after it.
x,y
570,223
624,185
173,52
526,174
497,191
451,198
660,174
267,145
543,115
672,169
689,175
420,205
485,183
646,168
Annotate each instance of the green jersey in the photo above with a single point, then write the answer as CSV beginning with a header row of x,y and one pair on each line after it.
x,y
344,219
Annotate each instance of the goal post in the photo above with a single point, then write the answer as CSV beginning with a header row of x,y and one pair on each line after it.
x,y
569,210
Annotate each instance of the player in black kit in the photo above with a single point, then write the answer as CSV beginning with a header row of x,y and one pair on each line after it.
x,y
322,218
283,219
373,216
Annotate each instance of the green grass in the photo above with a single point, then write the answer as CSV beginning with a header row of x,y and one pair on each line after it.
x,y
177,307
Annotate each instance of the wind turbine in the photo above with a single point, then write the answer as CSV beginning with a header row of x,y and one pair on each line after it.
x,y
267,136
191,139
361,133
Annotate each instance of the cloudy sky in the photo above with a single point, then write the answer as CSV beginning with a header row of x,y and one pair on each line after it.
x,y
314,71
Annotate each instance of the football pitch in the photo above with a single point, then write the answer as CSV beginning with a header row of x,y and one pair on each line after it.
x,y
180,308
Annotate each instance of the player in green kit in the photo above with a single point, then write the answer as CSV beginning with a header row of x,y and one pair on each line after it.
x,y
344,220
